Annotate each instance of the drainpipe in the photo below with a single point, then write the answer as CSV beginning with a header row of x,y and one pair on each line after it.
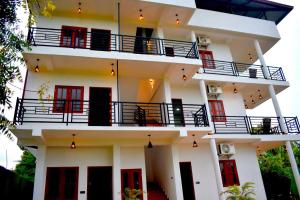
x,y
280,116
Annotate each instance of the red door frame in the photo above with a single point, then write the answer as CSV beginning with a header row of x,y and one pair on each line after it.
x,y
130,180
101,30
61,179
110,103
214,112
206,63
74,29
68,98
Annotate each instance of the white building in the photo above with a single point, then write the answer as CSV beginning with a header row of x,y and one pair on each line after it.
x,y
178,73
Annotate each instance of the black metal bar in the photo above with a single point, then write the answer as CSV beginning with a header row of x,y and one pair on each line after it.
x,y
16,111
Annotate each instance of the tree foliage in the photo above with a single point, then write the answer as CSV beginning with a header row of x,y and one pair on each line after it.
x,y
244,192
12,45
276,161
26,167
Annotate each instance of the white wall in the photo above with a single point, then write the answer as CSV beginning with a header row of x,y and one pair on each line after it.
x,y
233,103
181,3
202,169
134,158
35,80
79,157
248,168
233,23
188,94
220,51
161,164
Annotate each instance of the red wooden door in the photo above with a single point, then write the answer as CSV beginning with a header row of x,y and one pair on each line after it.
x,y
217,110
74,37
207,59
132,179
229,173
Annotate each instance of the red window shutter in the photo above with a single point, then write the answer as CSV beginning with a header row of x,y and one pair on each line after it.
x,y
207,59
217,110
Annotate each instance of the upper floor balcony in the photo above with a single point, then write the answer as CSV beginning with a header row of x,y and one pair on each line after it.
x,y
254,125
104,113
101,40
236,69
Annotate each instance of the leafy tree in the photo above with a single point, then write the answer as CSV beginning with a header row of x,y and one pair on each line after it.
x,y
12,45
276,161
244,192
26,167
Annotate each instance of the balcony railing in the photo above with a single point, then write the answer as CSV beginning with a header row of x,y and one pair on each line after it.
x,y
254,125
119,113
241,69
111,42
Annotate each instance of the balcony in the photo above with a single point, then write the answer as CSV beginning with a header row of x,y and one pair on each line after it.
x,y
254,125
112,113
79,39
241,70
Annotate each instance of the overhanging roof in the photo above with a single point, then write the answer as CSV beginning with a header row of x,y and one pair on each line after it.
x,y
261,9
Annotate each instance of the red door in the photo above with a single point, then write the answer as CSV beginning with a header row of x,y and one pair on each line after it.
x,y
207,59
229,173
132,179
217,110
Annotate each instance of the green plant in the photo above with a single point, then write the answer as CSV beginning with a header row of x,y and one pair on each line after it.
x,y
244,192
132,194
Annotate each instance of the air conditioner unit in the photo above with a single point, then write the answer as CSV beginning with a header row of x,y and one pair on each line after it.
x,y
203,41
214,90
226,149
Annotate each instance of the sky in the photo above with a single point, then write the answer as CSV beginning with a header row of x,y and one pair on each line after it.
x,y
284,54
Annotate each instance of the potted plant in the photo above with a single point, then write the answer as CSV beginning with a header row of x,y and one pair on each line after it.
x,y
132,194
244,192
252,73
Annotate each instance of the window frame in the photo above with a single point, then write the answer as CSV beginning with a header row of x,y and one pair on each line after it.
x,y
228,180
219,118
73,29
68,98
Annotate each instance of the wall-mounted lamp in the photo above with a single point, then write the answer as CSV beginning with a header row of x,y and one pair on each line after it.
x,y
259,94
234,90
151,82
177,19
250,56
79,8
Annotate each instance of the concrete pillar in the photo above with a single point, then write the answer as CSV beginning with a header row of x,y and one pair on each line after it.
x,y
281,119
160,35
117,192
40,174
261,59
194,39
214,153
177,175
293,164
205,101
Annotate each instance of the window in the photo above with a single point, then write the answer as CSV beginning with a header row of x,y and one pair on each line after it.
x,y
68,99
207,59
229,173
217,110
74,37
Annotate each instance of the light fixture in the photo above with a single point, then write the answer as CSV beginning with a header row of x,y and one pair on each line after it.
x,y
37,69
73,146
151,82
183,75
177,19
112,72
252,100
150,144
259,94
250,56
141,17
246,106
194,142
234,90
79,8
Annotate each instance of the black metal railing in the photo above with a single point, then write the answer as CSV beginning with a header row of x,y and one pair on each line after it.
x,y
110,42
241,69
254,125
121,113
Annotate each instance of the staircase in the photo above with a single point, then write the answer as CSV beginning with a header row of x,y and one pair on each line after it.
x,y
155,192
